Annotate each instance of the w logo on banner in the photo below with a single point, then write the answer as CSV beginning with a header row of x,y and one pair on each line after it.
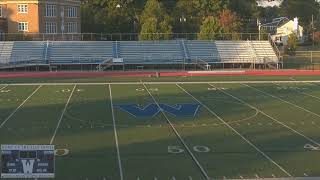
x,y
27,166
179,110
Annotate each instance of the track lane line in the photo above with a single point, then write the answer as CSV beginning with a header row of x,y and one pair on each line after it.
x,y
5,121
204,173
239,134
62,114
115,134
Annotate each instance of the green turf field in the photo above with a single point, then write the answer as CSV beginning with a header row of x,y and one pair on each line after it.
x,y
266,129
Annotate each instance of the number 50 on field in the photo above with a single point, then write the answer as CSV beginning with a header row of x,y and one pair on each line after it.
x,y
180,149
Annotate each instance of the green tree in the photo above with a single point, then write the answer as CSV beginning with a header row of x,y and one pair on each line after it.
x,y
301,9
154,20
292,43
210,29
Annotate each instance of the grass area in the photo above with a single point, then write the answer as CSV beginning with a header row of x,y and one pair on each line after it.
x,y
155,79
142,131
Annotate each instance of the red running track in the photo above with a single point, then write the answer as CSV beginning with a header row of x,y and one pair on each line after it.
x,y
78,74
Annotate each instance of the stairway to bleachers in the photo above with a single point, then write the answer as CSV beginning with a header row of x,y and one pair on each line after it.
x,y
151,52
80,52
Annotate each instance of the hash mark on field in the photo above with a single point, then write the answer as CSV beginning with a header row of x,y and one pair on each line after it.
x,y
115,133
62,114
270,117
204,173
285,101
3,123
235,131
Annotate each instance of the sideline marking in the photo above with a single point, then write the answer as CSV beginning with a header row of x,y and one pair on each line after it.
x,y
2,124
267,115
115,134
178,135
285,101
234,130
62,114
168,82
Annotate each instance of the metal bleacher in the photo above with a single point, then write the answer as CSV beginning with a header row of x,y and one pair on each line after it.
x,y
103,53
80,52
21,52
203,51
151,52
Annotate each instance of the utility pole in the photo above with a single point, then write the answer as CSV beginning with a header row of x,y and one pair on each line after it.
x,y
312,26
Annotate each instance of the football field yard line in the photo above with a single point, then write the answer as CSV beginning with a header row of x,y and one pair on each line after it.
x,y
62,114
239,134
115,134
204,173
267,115
3,123
285,101
4,87
307,94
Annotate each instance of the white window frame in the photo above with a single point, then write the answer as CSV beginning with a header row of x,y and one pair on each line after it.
x,y
51,10
72,27
51,27
24,25
22,8
72,12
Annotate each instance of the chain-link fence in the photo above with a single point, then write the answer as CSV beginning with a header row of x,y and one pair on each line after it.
x,y
126,36
308,60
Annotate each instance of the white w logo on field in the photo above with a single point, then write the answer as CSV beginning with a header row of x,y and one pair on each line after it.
x,y
27,165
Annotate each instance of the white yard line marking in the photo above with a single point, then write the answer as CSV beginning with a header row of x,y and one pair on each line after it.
x,y
204,173
4,87
3,123
285,101
115,134
307,94
267,115
62,114
235,131
165,82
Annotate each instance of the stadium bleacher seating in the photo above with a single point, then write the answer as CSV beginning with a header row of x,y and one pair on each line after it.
x,y
136,52
203,50
79,52
151,52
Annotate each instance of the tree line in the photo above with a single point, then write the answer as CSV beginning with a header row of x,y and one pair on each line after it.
x,y
207,18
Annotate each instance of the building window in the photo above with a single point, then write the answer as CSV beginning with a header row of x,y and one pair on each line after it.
x,y
51,27
22,8
72,12
23,26
1,11
72,27
51,10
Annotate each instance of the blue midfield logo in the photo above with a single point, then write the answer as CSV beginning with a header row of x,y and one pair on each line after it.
x,y
150,110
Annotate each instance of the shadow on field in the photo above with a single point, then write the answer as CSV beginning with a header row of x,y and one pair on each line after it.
x,y
90,153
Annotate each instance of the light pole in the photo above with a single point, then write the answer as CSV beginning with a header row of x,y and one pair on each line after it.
x,y
182,20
